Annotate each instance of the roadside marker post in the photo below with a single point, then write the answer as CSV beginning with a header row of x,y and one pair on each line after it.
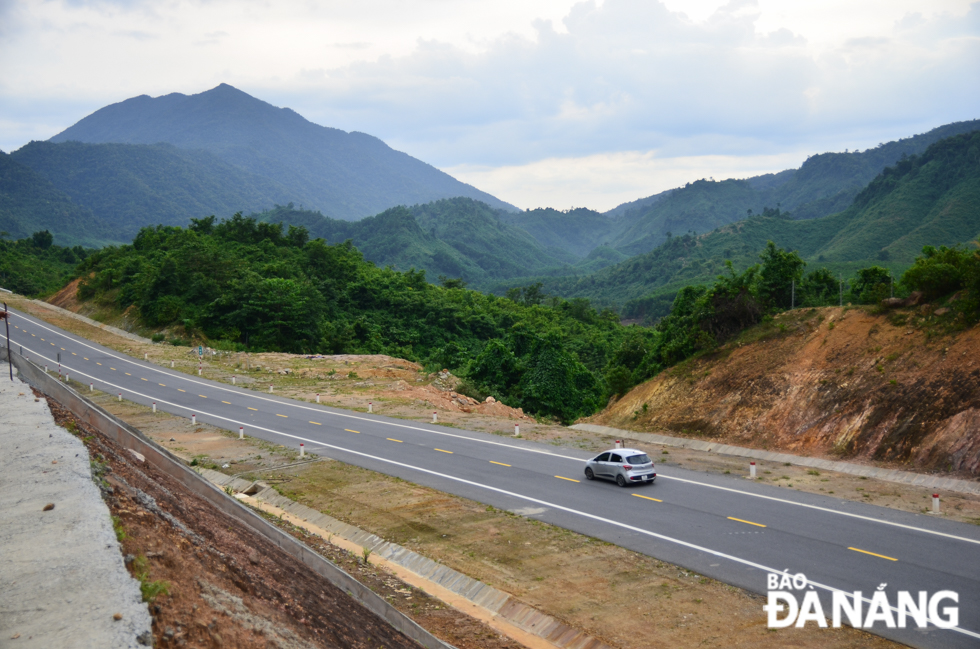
x,y
318,397
302,451
752,470
146,357
194,420
91,387
120,396
241,432
517,430
154,406
270,389
233,380
370,406
935,503
619,443
171,364
435,417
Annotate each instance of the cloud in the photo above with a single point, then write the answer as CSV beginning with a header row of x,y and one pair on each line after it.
x,y
522,84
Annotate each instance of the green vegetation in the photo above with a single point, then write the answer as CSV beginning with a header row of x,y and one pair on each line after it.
x,y
923,200
29,202
455,237
149,589
34,266
134,185
243,282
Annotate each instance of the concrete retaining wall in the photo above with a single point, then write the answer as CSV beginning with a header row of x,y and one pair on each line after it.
x,y
128,437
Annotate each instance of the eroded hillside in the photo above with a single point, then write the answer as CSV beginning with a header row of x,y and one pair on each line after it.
x,y
900,387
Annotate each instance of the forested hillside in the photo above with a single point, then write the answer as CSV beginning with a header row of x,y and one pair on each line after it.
x,y
823,185
931,199
242,282
29,202
344,175
457,238
34,267
134,185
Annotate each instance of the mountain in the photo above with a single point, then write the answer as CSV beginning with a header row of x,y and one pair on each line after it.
x,y
928,199
575,231
134,185
30,203
345,175
824,184
457,238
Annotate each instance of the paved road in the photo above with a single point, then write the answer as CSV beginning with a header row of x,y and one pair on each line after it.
x,y
720,526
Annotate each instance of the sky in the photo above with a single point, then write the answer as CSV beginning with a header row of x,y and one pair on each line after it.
x,y
539,102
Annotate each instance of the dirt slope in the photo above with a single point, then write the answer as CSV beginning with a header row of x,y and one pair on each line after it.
x,y
841,382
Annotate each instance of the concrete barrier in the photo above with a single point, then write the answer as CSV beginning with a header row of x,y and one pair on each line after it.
x,y
130,438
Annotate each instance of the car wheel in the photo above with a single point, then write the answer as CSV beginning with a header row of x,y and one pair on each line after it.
x,y
588,474
621,481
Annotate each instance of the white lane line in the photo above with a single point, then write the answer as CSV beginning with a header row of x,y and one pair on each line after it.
x,y
541,452
538,501
218,386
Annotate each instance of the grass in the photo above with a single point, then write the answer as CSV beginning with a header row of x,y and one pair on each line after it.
x,y
150,589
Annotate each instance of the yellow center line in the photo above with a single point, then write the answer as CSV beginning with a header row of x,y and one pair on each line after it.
x,y
142,379
442,451
880,556
179,390
746,522
42,340
74,354
98,363
228,402
648,498
128,374
160,384
84,357
316,422
202,396
251,408
113,369
63,349
569,479
35,335
500,463
278,415
52,344
392,439
352,431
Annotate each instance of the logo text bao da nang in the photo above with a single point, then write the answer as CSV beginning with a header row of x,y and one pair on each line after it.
x,y
792,601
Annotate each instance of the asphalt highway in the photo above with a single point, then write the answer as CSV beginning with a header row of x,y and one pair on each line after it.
x,y
724,527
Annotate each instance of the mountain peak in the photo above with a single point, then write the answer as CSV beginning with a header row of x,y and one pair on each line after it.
x,y
345,175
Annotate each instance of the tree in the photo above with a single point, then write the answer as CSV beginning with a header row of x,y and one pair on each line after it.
x,y
780,269
42,239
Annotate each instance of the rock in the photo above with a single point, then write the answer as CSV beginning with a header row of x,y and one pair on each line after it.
x,y
253,558
117,617
942,311
491,400
145,639
48,507
914,298
138,456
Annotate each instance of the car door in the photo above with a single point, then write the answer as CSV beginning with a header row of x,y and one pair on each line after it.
x,y
614,465
599,465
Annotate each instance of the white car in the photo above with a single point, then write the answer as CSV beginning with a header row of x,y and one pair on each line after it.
x,y
622,465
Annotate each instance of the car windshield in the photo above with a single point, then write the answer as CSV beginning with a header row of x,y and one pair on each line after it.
x,y
639,459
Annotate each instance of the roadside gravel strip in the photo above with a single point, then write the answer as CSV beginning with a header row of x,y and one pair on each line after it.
x,y
62,578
